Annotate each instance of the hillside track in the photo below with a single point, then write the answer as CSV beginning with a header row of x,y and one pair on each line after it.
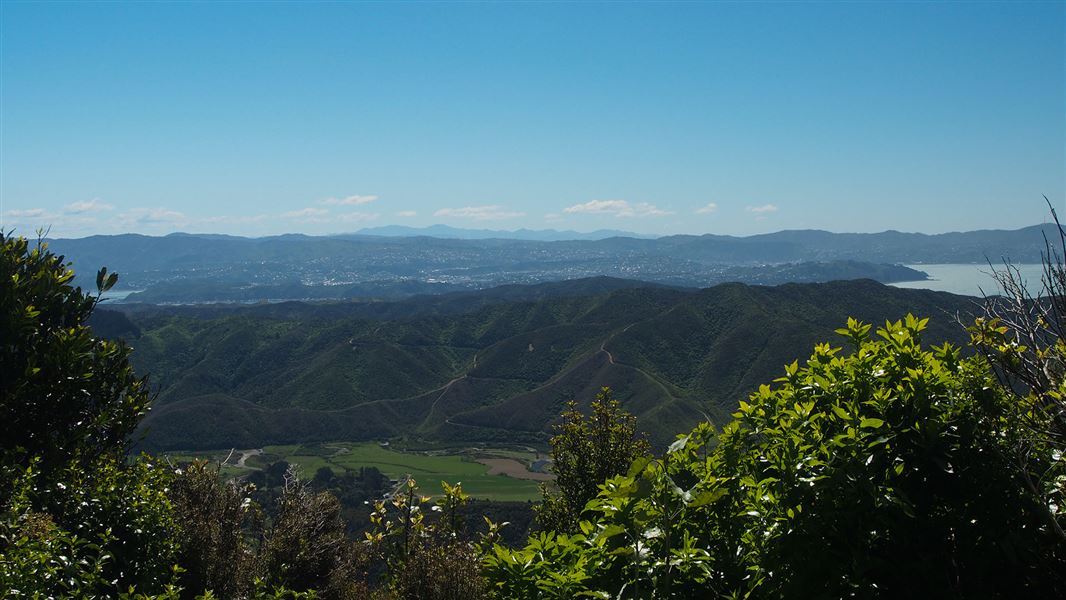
x,y
648,376
577,365
671,354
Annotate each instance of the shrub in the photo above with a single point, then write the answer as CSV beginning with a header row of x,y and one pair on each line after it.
x,y
427,558
585,452
212,516
76,517
1024,335
307,549
884,473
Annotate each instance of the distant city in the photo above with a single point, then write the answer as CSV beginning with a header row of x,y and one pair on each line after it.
x,y
193,268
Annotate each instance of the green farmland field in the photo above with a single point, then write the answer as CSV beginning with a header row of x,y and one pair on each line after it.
x,y
428,469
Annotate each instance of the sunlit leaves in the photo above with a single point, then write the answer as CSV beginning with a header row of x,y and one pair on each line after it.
x,y
68,403
587,450
849,471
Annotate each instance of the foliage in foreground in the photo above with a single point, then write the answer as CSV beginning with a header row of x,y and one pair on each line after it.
x,y
586,451
884,473
428,558
1024,336
893,471
78,517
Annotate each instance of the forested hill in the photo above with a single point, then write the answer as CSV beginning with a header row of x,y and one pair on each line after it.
x,y
499,369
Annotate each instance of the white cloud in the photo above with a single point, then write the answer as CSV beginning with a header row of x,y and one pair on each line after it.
x,y
53,224
407,213
765,208
349,201
30,213
305,213
244,219
709,208
322,216
598,206
316,216
618,208
492,212
83,206
153,216
73,219
354,217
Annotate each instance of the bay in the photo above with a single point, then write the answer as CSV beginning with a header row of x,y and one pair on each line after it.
x,y
117,295
970,279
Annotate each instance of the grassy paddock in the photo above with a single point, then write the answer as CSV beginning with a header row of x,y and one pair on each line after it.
x,y
428,468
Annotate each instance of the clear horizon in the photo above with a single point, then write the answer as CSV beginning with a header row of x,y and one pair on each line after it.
x,y
50,235
736,119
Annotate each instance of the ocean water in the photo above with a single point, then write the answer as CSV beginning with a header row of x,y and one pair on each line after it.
x,y
970,280
117,295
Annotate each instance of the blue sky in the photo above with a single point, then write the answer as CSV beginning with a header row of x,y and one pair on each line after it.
x,y
261,118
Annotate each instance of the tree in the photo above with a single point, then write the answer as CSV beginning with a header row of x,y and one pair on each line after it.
x,y
1023,334
212,516
235,550
64,394
307,549
428,558
585,453
323,477
888,472
76,517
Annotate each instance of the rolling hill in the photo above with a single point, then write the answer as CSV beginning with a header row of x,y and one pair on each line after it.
x,y
486,366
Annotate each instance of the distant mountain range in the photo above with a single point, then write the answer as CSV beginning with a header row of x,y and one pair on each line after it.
x,y
541,235
207,268
496,364
134,251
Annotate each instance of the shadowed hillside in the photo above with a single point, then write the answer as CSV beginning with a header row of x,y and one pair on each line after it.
x,y
500,370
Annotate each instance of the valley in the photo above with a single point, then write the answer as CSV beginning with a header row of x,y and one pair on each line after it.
x,y
485,367
496,474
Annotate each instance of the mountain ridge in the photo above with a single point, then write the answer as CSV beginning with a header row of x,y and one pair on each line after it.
x,y
500,371
138,252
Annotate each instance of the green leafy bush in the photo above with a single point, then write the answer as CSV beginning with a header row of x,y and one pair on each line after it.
x,y
585,452
1023,333
212,515
883,473
307,549
64,393
427,557
76,517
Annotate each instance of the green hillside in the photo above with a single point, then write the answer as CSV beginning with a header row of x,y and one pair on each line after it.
x,y
499,371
